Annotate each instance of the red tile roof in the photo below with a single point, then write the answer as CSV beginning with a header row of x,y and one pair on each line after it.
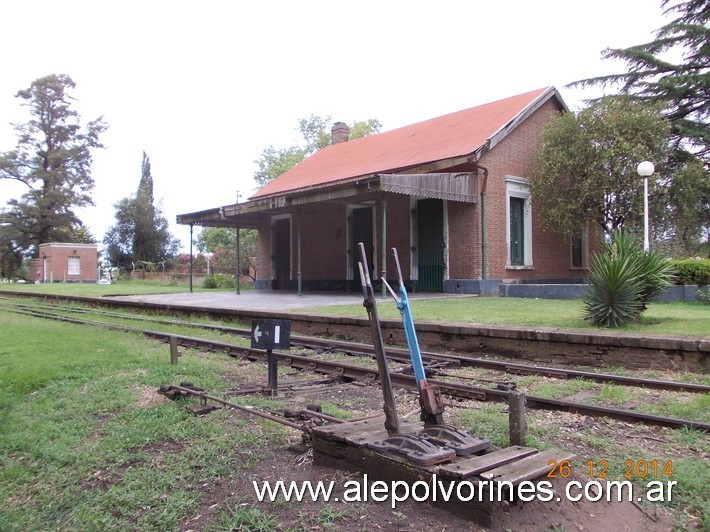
x,y
452,135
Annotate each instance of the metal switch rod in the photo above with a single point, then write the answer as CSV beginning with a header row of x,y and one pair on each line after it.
x,y
390,407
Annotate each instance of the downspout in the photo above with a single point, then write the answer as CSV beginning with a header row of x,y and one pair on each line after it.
x,y
484,240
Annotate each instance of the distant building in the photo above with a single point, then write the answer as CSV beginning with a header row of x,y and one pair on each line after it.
x,y
65,262
451,194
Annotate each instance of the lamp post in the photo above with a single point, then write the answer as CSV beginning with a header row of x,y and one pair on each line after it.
x,y
645,169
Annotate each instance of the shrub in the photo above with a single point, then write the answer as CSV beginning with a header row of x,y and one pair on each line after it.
x,y
225,281
622,280
692,271
219,280
209,282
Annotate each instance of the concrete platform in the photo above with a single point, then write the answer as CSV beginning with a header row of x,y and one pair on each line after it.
x,y
262,299
249,299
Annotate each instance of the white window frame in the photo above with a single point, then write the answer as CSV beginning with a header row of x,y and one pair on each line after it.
x,y
73,265
519,187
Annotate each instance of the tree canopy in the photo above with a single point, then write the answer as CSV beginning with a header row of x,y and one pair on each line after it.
x,y
222,243
316,135
141,232
586,169
53,158
683,88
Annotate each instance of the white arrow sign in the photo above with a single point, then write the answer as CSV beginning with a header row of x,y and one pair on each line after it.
x,y
257,333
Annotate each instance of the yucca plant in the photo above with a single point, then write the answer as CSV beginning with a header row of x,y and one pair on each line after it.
x,y
657,275
623,279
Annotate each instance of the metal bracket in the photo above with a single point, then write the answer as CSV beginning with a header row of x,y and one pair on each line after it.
x,y
417,449
431,402
453,438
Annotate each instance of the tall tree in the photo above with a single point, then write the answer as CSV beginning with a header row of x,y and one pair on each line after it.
x,y
147,238
682,88
141,232
686,222
53,159
586,169
316,135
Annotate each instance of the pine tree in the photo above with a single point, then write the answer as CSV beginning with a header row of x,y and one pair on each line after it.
x,y
683,88
53,158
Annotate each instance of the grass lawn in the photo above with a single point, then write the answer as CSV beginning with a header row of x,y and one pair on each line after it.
x,y
659,318
87,444
118,288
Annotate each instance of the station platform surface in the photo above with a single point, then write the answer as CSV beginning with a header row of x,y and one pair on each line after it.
x,y
260,299
249,299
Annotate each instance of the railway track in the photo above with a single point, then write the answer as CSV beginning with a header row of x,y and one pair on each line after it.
x,y
402,355
354,372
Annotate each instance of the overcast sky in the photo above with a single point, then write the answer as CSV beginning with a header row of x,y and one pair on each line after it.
x,y
204,87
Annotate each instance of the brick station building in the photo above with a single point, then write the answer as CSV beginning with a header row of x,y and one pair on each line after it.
x,y
64,262
450,193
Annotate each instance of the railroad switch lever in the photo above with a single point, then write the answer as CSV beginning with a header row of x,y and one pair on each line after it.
x,y
438,442
370,304
430,399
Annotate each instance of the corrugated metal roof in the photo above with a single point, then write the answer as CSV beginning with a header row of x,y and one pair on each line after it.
x,y
452,135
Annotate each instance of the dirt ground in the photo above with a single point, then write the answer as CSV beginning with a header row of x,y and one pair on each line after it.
x,y
280,463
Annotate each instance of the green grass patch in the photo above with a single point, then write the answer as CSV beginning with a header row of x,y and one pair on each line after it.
x,y
561,388
660,318
490,422
117,288
83,444
617,395
696,407
245,517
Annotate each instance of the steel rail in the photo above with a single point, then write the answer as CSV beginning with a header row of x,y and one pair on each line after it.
x,y
350,371
402,355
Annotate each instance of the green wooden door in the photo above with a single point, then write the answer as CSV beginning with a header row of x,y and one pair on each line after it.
x,y
517,231
430,244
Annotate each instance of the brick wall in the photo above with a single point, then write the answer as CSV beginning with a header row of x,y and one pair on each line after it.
x,y
53,263
323,242
464,244
514,157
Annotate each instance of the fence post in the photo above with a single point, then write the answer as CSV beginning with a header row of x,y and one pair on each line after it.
x,y
173,350
516,417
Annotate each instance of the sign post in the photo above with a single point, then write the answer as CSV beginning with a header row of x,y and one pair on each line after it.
x,y
269,335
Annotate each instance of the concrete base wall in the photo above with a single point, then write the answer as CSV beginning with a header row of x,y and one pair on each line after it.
x,y
551,289
576,291
543,291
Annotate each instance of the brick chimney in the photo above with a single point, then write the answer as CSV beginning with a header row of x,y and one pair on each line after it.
x,y
339,133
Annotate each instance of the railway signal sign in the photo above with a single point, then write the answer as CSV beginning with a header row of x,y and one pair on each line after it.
x,y
271,334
